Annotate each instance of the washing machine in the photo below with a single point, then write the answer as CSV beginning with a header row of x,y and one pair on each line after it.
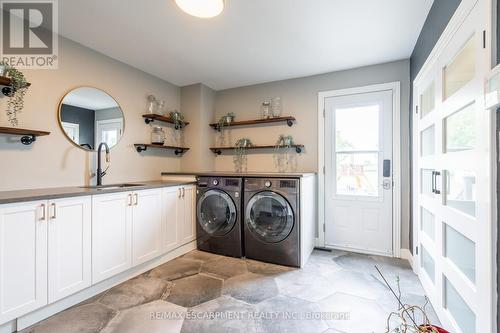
x,y
271,227
218,215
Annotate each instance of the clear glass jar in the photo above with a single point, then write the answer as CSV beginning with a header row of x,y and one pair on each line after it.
x,y
157,136
266,110
276,107
152,106
161,107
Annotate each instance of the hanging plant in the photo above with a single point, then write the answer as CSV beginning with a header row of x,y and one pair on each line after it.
x,y
15,92
225,121
178,119
240,150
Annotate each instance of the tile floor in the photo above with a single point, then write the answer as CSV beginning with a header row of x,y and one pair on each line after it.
x,y
201,292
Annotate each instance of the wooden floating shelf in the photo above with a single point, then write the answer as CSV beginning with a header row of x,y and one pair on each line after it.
x,y
149,118
7,82
28,136
140,147
219,150
289,121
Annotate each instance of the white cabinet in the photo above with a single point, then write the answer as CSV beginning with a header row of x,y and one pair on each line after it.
x,y
179,225
187,214
170,232
146,225
69,246
111,234
23,258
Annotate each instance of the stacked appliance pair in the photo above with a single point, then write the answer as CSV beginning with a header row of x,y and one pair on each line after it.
x,y
261,225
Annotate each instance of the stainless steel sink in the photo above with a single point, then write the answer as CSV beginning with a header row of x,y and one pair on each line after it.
x,y
110,187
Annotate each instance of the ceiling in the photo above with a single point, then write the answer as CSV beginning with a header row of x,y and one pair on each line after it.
x,y
253,41
90,98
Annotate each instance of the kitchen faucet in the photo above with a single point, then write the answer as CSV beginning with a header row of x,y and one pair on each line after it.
x,y
99,172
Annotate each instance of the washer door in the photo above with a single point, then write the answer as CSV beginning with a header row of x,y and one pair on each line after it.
x,y
216,212
269,217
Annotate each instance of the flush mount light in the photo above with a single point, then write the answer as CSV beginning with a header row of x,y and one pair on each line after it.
x,y
201,8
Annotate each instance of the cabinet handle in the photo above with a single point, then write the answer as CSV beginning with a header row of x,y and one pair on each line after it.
x,y
183,192
53,205
436,174
180,193
136,196
43,212
129,200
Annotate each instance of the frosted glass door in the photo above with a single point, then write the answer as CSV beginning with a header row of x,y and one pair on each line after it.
x,y
452,211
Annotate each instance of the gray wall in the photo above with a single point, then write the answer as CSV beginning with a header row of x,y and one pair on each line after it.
x,y
437,19
300,99
84,117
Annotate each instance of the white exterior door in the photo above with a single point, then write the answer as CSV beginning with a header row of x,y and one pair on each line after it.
x,y
111,235
170,231
23,258
146,226
69,246
453,182
358,172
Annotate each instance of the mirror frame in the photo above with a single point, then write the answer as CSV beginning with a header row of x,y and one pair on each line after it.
x,y
59,118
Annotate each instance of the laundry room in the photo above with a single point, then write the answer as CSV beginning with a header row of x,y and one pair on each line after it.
x,y
248,166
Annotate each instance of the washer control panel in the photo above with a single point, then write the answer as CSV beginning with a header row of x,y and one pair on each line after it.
x,y
268,183
215,182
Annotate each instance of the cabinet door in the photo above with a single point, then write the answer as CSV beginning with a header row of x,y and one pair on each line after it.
x,y
187,217
23,258
171,196
111,235
147,226
69,246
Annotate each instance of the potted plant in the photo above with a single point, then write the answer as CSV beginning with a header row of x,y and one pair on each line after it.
x,y
281,149
15,92
178,119
225,120
284,141
240,153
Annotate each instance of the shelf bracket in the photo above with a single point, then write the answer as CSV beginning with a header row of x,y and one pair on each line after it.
x,y
28,139
179,152
298,150
148,121
289,122
7,91
140,149
217,151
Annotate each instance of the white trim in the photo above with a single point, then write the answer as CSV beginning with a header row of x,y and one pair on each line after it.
x,y
395,87
406,255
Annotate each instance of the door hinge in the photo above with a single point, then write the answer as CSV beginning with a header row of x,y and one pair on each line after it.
x,y
324,170
416,109
324,111
416,250
324,228
484,39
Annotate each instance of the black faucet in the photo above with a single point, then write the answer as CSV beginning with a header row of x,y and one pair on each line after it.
x,y
99,172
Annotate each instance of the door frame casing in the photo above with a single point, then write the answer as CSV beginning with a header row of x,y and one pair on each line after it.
x,y
395,87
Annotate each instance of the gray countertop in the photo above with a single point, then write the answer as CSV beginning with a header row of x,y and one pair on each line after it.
x,y
242,174
75,191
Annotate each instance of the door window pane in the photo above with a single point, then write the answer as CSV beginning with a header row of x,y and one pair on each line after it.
x,y
427,141
462,251
461,191
426,179
460,132
461,312
356,129
428,264
357,174
460,71
427,223
428,100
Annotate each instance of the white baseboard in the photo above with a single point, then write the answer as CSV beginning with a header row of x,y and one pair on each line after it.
x,y
406,254
51,309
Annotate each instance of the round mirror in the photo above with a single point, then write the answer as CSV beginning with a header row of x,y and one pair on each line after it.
x,y
89,116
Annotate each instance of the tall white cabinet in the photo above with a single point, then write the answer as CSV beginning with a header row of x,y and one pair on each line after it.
x,y
23,258
186,211
111,234
69,246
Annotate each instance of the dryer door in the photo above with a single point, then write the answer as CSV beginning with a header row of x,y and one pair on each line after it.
x,y
216,212
269,217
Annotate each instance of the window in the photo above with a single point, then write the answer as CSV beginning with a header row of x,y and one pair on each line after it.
x,y
460,71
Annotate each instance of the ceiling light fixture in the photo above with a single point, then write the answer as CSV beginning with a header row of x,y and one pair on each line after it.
x,y
201,8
